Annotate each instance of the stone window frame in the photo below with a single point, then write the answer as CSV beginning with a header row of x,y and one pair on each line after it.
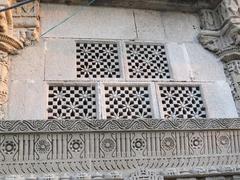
x,y
181,84
75,83
120,58
142,42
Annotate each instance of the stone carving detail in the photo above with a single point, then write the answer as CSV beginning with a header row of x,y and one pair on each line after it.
x,y
215,19
4,68
102,149
43,146
97,60
43,126
147,61
26,22
221,35
145,175
182,102
221,28
123,102
9,147
71,102
18,28
232,71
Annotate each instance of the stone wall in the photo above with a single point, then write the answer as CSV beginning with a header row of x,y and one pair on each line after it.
x,y
53,59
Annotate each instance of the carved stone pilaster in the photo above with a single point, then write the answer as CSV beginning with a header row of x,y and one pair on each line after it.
x,y
221,35
18,28
232,71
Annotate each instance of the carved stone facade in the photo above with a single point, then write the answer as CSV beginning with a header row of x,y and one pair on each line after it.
x,y
221,35
18,28
131,143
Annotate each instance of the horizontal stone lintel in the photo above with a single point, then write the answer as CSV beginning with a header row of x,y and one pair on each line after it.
x,y
183,5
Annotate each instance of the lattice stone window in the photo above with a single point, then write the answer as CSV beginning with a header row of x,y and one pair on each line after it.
x,y
182,102
72,102
127,102
147,61
97,60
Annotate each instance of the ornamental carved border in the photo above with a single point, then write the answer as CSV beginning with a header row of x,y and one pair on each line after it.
x,y
40,126
77,146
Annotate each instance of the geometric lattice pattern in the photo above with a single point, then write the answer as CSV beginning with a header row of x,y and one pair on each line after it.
x,y
182,102
147,61
97,60
127,102
72,102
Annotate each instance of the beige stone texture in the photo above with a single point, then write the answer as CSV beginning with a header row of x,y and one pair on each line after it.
x,y
88,22
60,59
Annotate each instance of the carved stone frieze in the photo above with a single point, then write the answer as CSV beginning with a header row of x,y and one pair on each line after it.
x,y
132,148
31,126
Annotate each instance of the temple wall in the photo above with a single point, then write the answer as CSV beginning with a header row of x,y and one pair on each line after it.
x,y
53,59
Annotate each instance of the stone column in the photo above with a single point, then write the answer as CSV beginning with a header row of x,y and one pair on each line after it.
x,y
221,35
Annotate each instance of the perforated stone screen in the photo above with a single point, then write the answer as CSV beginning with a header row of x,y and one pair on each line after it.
x,y
97,60
181,102
147,61
114,68
123,102
72,102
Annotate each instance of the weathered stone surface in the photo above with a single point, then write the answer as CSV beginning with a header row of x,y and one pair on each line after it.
x,y
179,62
89,22
204,66
180,27
29,64
60,59
219,100
150,25
27,99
